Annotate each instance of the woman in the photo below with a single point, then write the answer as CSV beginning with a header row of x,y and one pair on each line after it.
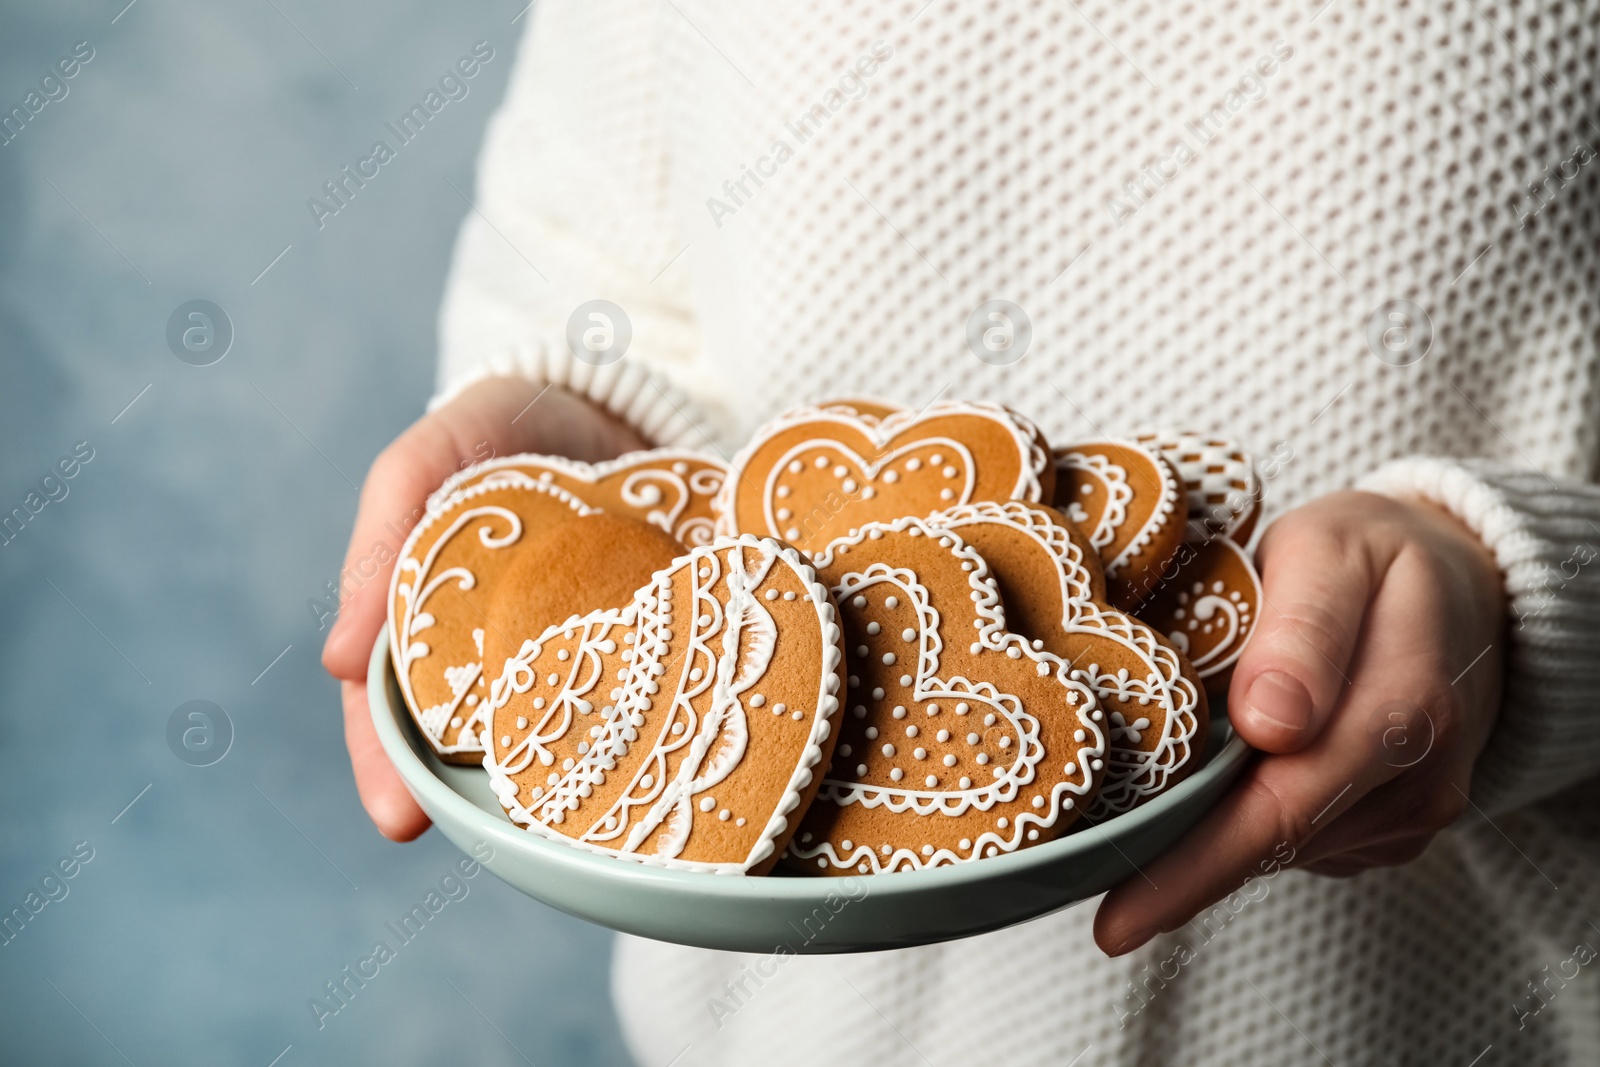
x,y
1362,239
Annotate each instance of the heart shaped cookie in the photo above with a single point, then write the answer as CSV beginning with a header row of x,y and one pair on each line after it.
x,y
684,730
441,677
1155,706
1208,607
669,488
815,474
1220,479
439,595
588,563
1131,504
961,740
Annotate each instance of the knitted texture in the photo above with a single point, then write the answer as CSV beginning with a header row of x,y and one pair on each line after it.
x,y
661,412
1544,536
1204,212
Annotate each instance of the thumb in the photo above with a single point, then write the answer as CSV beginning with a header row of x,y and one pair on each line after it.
x,y
392,500
1315,590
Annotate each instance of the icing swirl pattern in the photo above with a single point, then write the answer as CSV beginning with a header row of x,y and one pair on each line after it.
x,y
680,731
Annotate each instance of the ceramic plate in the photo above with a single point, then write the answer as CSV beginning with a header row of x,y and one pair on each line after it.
x,y
807,915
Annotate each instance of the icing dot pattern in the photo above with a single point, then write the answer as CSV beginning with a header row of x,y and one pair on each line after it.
x,y
932,779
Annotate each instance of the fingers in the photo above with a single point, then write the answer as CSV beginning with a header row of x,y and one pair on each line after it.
x,y
1315,588
1412,807
495,417
1395,853
383,793
1287,802
392,500
1273,812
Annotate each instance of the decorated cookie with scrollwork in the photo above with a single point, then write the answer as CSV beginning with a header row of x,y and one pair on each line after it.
x,y
815,474
673,489
959,739
439,596
1131,505
1208,607
1155,705
685,730
1220,481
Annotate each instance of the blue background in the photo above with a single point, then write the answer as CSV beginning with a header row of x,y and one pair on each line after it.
x,y
183,557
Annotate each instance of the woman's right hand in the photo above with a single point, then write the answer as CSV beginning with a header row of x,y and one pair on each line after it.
x,y
493,417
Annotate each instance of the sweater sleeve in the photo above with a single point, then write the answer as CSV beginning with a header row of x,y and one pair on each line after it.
x,y
571,207
1545,535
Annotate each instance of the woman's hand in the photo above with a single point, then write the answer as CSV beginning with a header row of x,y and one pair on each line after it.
x,y
495,417
1371,685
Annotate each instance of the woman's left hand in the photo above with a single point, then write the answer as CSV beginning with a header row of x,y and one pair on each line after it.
x,y
1370,686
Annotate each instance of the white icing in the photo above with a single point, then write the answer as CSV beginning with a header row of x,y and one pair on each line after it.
x,y
1135,773
1219,477
652,820
1231,611
1085,457
661,484
724,734
1003,710
414,582
880,432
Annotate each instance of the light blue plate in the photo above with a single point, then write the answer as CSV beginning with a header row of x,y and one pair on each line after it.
x,y
804,914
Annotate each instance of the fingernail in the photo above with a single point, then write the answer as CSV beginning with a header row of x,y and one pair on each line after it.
x,y
1131,942
1276,696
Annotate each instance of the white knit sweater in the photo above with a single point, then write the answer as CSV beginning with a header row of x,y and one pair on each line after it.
x,y
1201,209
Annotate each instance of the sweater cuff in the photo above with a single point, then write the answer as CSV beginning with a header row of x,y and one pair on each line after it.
x,y
646,401
1544,536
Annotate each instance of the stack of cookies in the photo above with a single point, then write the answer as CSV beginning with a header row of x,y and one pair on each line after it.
x,y
877,640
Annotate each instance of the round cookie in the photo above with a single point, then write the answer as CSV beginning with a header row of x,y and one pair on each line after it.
x,y
961,741
1131,503
586,564
1208,608
813,474
443,582
1155,704
684,730
1220,479
669,488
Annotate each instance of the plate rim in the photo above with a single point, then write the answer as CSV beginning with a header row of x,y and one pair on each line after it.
x,y
417,775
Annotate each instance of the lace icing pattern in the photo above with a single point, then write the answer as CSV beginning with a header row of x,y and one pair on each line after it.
x,y
708,748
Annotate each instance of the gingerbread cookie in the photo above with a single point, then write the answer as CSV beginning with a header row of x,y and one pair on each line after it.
x,y
813,474
1131,504
441,677
586,564
439,596
669,488
961,740
685,730
1220,479
1155,705
1208,607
